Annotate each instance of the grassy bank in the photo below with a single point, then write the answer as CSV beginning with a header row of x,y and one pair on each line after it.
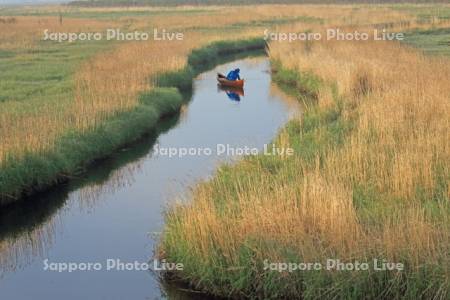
x,y
75,150
368,181
51,88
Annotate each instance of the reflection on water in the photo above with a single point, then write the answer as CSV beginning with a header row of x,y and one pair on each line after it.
x,y
234,94
111,211
27,229
17,251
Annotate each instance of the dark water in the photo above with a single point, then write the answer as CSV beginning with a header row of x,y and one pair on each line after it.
x,y
116,210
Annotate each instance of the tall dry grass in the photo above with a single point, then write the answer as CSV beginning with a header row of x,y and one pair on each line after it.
x,y
399,147
107,83
381,193
402,100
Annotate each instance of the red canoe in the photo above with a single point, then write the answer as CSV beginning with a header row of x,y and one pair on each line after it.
x,y
233,83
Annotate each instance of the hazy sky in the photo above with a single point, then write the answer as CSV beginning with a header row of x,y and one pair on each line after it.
x,y
31,1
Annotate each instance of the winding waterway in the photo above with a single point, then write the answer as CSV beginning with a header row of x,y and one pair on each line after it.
x,y
115,211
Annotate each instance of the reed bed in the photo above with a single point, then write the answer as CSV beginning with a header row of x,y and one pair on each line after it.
x,y
109,82
370,180
100,86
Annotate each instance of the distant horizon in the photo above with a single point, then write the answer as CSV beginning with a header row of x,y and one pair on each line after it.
x,y
43,2
29,2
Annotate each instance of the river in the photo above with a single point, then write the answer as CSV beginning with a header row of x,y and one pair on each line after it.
x,y
115,210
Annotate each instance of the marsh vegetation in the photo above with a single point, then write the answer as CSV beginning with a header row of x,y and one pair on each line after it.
x,y
369,178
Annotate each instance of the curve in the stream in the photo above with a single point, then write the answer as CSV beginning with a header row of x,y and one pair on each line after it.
x,y
115,210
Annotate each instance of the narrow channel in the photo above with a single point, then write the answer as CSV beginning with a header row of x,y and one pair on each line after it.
x,y
115,211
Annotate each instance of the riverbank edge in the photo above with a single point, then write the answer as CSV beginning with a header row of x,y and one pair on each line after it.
x,y
75,151
319,129
196,275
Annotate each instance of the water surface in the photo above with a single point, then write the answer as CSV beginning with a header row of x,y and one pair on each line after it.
x,y
115,211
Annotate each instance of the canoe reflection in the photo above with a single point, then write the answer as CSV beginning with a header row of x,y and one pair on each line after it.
x,y
234,94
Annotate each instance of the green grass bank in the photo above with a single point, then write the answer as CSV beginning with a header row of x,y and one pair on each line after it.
x,y
256,196
75,151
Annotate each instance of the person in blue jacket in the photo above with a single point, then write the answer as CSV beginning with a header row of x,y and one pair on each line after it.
x,y
234,75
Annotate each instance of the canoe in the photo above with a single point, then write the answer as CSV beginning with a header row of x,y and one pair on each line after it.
x,y
232,83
